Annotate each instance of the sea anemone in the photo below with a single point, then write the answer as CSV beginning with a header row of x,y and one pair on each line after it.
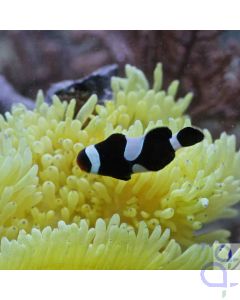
x,y
55,216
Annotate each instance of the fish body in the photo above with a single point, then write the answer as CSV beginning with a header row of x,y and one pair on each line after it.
x,y
120,156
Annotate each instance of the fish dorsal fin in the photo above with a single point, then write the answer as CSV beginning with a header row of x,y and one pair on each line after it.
x,y
157,151
113,145
115,137
159,133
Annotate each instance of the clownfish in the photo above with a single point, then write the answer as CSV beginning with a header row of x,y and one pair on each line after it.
x,y
120,156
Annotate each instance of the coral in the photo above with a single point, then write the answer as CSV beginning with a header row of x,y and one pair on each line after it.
x,y
71,219
113,247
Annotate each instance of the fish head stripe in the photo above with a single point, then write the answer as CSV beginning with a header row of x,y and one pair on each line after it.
x,y
94,158
133,148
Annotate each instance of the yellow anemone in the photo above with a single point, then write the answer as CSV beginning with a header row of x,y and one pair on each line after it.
x,y
55,216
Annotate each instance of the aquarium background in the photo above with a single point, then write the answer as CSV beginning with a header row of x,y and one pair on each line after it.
x,y
206,63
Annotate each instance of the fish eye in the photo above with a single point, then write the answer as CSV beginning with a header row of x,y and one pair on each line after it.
x,y
83,161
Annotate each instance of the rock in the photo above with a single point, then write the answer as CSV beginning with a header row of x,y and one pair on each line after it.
x,y
98,82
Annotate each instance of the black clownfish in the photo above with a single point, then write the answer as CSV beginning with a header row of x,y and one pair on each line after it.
x,y
119,156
